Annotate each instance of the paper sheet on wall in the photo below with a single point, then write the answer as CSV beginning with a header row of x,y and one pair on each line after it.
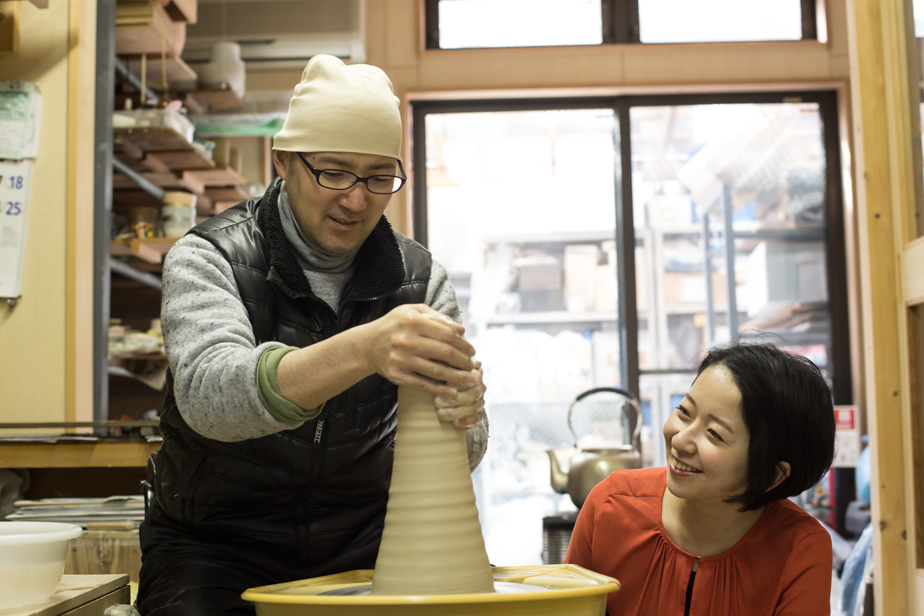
x,y
20,119
15,179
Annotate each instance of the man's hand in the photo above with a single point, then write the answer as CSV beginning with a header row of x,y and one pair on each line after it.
x,y
466,409
417,346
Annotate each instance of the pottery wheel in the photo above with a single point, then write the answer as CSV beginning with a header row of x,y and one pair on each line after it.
x,y
504,588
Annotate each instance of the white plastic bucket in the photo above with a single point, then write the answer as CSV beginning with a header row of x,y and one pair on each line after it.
x,y
32,556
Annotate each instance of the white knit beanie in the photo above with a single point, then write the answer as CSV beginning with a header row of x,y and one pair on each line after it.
x,y
340,108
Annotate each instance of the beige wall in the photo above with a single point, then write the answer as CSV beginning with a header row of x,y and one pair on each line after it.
x,y
33,335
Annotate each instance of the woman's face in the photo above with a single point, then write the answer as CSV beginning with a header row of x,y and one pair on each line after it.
x,y
707,441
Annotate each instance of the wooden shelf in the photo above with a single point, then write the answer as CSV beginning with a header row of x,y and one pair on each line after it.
x,y
142,164
183,10
151,138
228,193
151,250
105,453
123,200
167,181
180,76
146,28
225,176
185,160
201,102
80,594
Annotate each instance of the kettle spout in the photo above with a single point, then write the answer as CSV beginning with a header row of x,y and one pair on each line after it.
x,y
559,478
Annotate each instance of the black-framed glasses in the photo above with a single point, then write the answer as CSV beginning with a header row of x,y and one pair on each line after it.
x,y
335,179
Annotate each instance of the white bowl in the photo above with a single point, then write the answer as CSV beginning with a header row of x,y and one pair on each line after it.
x,y
32,556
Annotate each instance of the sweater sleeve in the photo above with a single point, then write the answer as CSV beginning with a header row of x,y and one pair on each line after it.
x,y
807,578
442,298
268,388
440,294
211,347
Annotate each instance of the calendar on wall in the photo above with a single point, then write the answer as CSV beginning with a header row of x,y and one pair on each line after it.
x,y
20,128
15,179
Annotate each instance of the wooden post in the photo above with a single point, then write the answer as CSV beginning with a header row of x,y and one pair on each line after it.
x,y
885,127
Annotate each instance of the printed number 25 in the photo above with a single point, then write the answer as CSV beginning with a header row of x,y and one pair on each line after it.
x,y
13,208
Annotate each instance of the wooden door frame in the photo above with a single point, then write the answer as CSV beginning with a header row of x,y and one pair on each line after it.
x,y
886,128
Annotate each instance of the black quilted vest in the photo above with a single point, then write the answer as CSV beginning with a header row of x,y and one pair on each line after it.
x,y
315,496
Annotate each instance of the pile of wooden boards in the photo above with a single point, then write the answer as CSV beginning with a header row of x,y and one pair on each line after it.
x,y
169,161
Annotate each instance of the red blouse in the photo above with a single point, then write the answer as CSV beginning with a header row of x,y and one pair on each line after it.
x,y
781,567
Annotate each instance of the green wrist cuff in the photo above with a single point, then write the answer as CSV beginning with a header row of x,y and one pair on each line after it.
x,y
268,388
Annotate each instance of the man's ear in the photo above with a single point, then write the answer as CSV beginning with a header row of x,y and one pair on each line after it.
x,y
782,472
281,162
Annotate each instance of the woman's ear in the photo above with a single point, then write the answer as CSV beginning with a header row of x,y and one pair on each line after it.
x,y
782,472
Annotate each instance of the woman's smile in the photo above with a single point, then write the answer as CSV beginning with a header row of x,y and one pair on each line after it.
x,y
683,469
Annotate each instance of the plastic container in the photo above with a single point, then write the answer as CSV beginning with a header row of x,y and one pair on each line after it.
x,y
32,556
552,590
178,213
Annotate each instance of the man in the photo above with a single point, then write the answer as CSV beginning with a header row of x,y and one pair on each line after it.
x,y
289,320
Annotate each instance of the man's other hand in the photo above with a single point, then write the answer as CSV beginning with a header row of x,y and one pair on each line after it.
x,y
466,409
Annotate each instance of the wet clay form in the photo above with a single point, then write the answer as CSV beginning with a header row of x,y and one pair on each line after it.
x,y
432,542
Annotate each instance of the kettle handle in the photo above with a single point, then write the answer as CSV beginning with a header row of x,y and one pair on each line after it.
x,y
616,390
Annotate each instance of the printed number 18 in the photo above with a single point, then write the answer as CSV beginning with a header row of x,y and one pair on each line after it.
x,y
16,182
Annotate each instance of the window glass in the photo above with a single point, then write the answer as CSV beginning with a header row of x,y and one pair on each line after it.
x,y
729,203
683,21
521,210
918,18
730,226
519,23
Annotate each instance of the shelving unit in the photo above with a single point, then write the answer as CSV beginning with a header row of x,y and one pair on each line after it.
x,y
145,40
538,318
151,250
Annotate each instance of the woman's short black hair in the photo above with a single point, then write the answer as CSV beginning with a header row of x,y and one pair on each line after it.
x,y
787,407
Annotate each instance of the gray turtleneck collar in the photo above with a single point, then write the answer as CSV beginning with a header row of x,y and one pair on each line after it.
x,y
327,273
308,254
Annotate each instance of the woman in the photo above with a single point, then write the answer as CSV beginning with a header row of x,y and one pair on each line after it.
x,y
714,533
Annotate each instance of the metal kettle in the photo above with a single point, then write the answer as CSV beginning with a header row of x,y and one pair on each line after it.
x,y
590,466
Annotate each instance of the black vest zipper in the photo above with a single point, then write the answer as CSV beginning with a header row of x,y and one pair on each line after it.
x,y
686,610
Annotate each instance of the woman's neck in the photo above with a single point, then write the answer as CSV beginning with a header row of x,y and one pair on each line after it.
x,y
705,529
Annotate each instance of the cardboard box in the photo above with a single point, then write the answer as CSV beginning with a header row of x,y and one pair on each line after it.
x,y
606,289
667,211
606,357
780,274
580,264
642,274
690,288
567,362
538,273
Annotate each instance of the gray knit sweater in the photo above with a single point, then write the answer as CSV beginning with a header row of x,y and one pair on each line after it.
x,y
210,343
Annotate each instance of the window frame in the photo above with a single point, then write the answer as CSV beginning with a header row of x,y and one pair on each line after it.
x,y
620,24
836,256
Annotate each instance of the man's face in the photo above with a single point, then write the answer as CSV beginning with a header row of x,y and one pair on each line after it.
x,y
336,221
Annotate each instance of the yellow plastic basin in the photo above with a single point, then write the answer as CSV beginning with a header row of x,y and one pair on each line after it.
x,y
575,591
